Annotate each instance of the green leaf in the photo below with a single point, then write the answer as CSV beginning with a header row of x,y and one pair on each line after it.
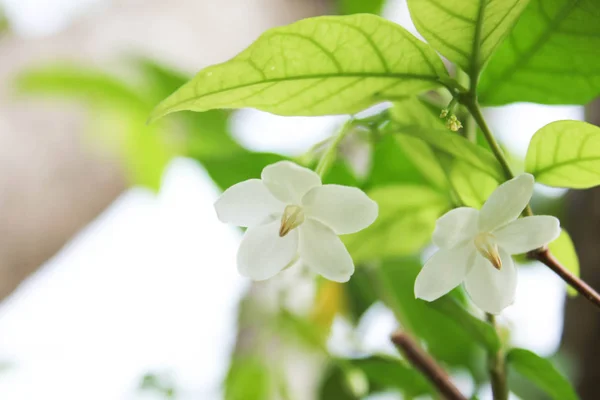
x,y
360,6
457,147
248,378
226,172
564,250
565,154
335,386
414,111
472,186
407,215
550,57
386,373
465,31
542,373
317,66
480,331
445,338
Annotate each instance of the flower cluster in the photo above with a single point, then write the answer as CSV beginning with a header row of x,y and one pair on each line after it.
x,y
291,216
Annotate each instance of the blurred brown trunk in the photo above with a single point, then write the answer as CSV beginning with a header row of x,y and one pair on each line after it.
x,y
582,320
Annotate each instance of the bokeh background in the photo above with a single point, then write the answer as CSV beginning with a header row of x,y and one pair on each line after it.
x,y
116,279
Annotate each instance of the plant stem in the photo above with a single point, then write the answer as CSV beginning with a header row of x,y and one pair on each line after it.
x,y
543,254
497,368
427,366
330,154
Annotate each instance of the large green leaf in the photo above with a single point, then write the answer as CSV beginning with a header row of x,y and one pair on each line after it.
x,y
542,373
564,250
407,215
317,66
457,147
550,57
360,6
565,154
465,31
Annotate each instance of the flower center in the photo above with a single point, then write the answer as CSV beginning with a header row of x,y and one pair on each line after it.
x,y
293,216
488,248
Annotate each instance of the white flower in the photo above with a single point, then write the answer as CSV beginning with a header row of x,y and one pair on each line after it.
x,y
289,213
476,247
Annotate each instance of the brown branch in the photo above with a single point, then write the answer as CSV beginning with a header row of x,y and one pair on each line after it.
x,y
427,366
544,256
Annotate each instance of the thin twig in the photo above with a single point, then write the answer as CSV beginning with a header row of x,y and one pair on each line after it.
x,y
544,256
427,366
497,368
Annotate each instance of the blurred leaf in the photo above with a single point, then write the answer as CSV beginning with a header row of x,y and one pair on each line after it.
x,y
310,68
480,331
445,338
334,386
564,250
385,373
457,147
360,6
465,31
359,293
565,154
407,215
73,81
542,373
530,64
414,111
248,379
226,172
472,186
392,165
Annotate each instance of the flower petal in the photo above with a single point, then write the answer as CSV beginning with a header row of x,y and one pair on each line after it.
x,y
247,203
526,234
444,271
323,252
288,181
506,203
455,227
490,289
344,209
262,253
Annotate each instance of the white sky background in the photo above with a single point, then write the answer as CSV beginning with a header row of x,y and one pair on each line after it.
x,y
151,285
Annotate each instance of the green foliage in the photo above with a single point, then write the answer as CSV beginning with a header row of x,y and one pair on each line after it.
x,y
360,6
385,373
542,373
407,215
249,378
565,154
446,339
564,250
480,331
472,186
457,147
317,66
465,31
334,385
550,57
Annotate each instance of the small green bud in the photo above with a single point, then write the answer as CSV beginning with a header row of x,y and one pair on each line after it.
x,y
444,113
453,123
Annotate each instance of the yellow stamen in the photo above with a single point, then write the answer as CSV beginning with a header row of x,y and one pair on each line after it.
x,y
488,248
293,216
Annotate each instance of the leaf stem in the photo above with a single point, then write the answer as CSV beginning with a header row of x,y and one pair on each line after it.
x,y
427,365
542,254
330,154
497,368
